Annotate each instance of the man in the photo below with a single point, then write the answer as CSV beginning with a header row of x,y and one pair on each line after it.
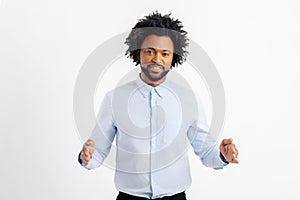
x,y
154,120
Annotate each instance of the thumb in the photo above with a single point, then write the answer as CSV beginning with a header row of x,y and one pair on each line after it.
x,y
227,141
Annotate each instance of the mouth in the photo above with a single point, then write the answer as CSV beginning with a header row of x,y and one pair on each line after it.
x,y
155,68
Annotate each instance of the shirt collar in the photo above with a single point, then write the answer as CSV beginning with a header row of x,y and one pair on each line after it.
x,y
144,88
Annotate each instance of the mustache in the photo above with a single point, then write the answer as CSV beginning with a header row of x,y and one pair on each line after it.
x,y
155,65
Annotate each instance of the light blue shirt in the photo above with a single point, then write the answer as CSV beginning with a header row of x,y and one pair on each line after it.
x,y
153,127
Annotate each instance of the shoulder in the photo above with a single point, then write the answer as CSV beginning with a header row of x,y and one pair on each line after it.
x,y
121,89
179,89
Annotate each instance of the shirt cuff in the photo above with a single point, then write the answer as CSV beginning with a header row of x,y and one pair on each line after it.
x,y
79,160
223,158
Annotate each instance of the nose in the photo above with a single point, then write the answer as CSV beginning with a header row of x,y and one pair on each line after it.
x,y
157,58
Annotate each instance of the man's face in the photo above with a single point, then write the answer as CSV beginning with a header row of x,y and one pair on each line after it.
x,y
156,57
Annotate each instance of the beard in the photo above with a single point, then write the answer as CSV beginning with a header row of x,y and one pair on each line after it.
x,y
155,77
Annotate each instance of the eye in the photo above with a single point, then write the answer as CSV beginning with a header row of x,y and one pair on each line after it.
x,y
148,51
165,54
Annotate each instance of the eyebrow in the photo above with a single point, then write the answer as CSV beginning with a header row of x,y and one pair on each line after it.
x,y
158,49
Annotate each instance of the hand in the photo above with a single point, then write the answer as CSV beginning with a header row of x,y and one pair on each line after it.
x,y
229,151
87,152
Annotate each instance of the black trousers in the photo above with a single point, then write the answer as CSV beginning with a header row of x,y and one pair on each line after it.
x,y
124,196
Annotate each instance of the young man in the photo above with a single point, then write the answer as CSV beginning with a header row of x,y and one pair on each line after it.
x,y
154,120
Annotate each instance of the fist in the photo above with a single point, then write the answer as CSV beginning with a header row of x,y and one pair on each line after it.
x,y
229,151
87,152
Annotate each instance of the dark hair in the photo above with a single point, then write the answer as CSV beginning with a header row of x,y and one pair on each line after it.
x,y
161,25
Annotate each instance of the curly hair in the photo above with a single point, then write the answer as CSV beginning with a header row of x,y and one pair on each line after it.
x,y
160,25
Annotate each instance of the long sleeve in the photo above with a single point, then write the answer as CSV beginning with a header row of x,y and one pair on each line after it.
x,y
204,144
103,133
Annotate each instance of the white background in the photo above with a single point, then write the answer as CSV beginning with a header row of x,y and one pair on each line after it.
x,y
255,46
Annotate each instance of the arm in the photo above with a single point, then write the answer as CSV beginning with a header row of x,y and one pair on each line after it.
x,y
97,147
204,144
206,147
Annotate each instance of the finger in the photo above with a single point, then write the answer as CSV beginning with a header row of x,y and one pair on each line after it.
x,y
90,143
232,151
227,149
87,150
86,160
90,150
229,154
86,154
223,150
232,158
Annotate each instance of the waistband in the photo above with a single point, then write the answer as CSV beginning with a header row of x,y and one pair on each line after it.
x,y
131,197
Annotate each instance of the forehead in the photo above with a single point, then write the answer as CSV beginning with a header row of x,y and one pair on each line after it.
x,y
158,42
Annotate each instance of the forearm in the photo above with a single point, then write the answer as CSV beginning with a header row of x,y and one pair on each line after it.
x,y
213,159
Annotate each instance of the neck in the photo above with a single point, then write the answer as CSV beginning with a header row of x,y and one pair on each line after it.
x,y
153,84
